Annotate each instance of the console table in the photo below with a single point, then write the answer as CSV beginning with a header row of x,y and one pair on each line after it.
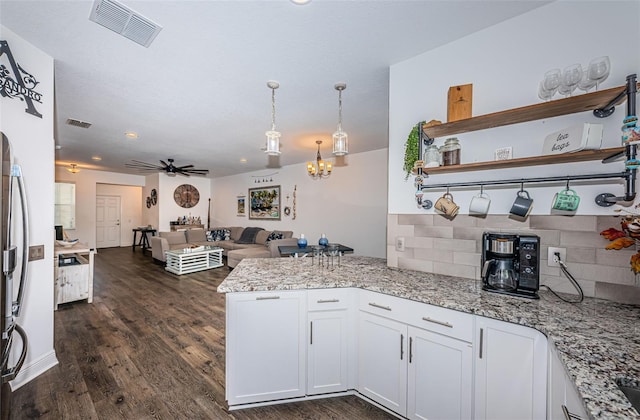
x,y
73,273
143,242
292,250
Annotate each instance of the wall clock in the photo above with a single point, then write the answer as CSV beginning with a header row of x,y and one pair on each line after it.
x,y
186,196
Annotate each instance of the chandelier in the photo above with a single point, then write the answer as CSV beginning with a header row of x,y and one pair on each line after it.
x,y
319,169
340,138
273,136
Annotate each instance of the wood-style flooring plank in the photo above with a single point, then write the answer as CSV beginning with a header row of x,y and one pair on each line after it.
x,y
151,346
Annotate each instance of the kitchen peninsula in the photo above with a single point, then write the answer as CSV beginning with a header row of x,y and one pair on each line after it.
x,y
596,341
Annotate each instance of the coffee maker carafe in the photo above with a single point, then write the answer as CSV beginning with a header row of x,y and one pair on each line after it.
x,y
510,264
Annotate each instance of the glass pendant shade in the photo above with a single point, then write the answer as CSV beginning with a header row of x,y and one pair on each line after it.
x,y
273,143
340,138
273,137
340,143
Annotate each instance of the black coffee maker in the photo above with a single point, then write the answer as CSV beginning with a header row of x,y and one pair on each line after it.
x,y
511,264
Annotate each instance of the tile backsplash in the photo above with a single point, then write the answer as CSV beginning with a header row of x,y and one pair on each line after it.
x,y
453,247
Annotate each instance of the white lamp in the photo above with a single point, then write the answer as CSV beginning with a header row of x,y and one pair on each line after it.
x,y
340,138
273,136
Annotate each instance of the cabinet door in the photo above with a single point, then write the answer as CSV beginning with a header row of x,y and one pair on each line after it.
x,y
511,371
440,376
562,391
265,346
382,361
327,365
77,282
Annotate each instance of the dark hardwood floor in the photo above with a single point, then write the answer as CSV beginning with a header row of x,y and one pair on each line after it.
x,y
150,346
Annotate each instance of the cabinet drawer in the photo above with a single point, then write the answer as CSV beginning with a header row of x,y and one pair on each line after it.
x,y
443,321
384,305
329,299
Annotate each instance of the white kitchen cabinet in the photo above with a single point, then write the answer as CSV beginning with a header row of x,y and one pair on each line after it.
x,y
329,349
420,373
73,274
440,376
510,371
265,346
382,361
561,391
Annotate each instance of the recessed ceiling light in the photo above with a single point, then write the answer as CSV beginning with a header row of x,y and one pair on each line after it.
x,y
96,158
58,147
131,134
300,2
243,160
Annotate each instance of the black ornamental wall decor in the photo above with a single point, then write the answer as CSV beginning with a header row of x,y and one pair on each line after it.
x,y
16,82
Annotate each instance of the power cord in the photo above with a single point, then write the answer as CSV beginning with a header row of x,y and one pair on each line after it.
x,y
565,271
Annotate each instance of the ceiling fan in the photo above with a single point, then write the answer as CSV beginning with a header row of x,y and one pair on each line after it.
x,y
169,168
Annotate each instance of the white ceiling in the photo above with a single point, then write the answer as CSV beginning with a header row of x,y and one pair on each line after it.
x,y
198,94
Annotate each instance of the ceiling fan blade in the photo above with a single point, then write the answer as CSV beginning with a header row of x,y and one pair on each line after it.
x,y
142,165
184,167
138,162
197,171
165,164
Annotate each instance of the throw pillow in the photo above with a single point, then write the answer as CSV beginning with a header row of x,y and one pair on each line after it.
x,y
218,235
273,236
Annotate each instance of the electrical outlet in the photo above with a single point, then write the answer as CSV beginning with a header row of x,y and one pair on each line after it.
x,y
552,260
400,243
36,252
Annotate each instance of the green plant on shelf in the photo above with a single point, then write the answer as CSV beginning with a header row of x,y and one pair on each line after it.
x,y
412,149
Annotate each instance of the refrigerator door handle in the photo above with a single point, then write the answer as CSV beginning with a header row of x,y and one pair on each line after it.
x,y
10,374
16,172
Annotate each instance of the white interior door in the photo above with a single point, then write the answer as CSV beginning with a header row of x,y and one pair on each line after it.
x,y
107,221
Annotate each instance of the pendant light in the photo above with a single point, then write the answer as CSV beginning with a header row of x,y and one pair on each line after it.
x,y
73,168
273,136
340,138
320,169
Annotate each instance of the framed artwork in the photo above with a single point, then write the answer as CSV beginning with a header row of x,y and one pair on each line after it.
x,y
241,206
265,203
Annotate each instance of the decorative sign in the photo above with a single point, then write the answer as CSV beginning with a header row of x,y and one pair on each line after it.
x,y
16,82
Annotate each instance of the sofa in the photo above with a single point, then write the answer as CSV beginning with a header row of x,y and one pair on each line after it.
x,y
237,242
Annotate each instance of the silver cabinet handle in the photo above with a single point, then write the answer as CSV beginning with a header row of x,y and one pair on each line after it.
x,y
410,349
267,297
328,300
435,321
311,333
481,334
401,346
375,305
569,415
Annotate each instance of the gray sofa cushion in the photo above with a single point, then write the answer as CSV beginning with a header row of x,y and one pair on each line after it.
x,y
196,235
174,238
262,236
236,232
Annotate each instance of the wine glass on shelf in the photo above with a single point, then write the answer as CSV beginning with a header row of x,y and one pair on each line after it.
x,y
545,94
599,69
571,76
586,83
551,81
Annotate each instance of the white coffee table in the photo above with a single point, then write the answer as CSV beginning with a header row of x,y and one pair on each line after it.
x,y
184,261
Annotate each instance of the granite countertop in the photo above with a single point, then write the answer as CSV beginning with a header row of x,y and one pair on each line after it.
x,y
598,341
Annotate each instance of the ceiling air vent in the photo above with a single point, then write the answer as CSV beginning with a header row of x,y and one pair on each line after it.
x,y
78,123
121,19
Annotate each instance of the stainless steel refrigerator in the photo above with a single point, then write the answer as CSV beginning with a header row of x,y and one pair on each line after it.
x,y
11,256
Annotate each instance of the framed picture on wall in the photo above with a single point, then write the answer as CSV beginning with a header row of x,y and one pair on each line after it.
x,y
264,203
241,206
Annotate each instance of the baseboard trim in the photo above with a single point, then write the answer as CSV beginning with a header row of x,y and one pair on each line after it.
x,y
34,369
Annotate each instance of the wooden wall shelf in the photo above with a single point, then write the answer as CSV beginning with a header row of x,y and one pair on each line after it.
x,y
558,107
582,156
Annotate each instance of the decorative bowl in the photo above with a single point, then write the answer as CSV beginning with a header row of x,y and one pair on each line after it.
x,y
67,244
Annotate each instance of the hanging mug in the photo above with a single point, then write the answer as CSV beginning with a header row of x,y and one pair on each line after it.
x,y
566,201
523,205
479,205
447,206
